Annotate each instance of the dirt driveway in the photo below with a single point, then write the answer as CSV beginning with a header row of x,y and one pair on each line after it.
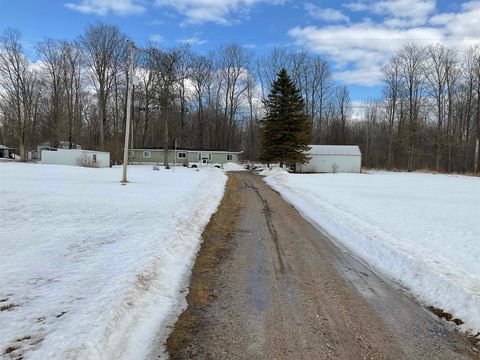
x,y
269,285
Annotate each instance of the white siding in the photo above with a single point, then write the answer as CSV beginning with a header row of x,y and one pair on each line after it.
x,y
332,163
74,157
328,159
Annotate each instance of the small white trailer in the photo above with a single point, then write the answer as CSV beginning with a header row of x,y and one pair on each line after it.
x,y
76,157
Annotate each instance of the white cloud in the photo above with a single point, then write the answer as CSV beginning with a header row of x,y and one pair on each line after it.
x,y
216,11
463,25
156,38
359,50
104,7
325,14
398,13
360,76
356,6
194,40
411,12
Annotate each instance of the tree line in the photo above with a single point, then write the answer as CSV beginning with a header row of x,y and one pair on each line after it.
x,y
429,114
75,93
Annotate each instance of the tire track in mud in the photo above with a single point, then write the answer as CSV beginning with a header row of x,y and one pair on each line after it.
x,y
267,212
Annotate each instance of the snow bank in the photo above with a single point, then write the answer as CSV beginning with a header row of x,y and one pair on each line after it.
x,y
420,229
92,269
233,167
274,172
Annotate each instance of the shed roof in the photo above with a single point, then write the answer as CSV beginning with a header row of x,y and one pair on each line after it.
x,y
353,150
3,147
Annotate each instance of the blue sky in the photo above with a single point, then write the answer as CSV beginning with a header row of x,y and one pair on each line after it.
x,y
356,36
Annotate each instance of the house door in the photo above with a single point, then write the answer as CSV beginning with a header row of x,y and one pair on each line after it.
x,y
205,158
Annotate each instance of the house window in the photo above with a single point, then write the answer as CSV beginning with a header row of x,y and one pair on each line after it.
x,y
94,158
229,157
147,154
182,155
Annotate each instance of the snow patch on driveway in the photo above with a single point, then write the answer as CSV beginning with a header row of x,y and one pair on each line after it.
x,y
230,166
422,230
92,269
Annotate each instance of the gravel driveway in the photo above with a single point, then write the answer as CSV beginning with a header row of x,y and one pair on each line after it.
x,y
269,285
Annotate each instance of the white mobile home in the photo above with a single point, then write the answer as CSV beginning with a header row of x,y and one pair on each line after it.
x,y
182,156
332,159
74,157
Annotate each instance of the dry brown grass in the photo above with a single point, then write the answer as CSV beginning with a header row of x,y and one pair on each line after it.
x,y
7,307
214,249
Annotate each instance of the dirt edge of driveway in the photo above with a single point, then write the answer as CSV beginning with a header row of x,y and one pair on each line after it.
x,y
216,247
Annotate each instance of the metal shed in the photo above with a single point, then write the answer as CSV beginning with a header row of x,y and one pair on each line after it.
x,y
332,159
74,157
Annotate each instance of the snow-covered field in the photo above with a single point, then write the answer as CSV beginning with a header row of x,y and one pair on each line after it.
x,y
91,269
423,230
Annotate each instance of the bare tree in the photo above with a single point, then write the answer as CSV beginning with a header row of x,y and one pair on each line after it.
x,y
73,84
50,53
437,78
391,91
201,76
19,84
166,75
412,59
467,98
342,98
234,62
322,83
252,150
477,106
104,51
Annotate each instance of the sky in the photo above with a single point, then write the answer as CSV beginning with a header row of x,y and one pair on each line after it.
x,y
357,37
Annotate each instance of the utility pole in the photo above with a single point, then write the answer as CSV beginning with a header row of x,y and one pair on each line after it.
x,y
129,99
175,156
132,118
475,165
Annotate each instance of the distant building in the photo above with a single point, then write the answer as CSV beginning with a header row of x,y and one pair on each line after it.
x,y
332,159
6,152
156,156
37,154
74,157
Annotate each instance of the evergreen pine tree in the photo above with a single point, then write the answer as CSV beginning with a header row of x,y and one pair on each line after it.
x,y
285,127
